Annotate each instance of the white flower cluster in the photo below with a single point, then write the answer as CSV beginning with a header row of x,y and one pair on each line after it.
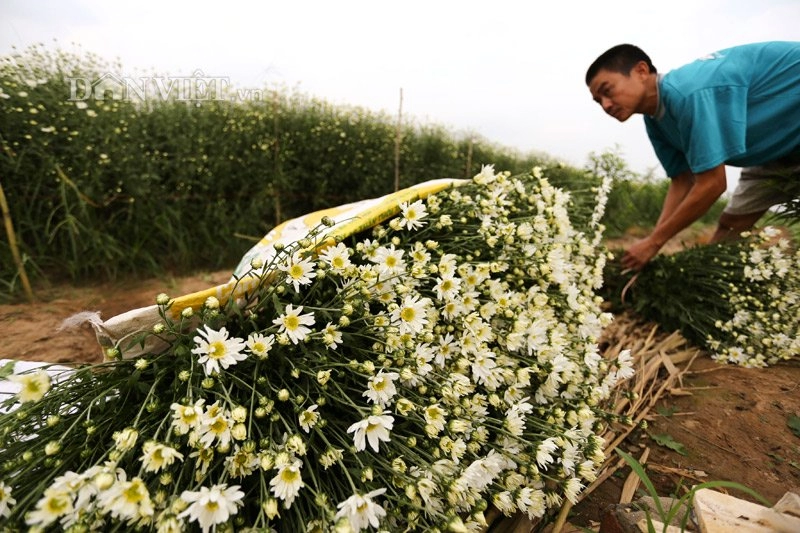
x,y
765,326
401,380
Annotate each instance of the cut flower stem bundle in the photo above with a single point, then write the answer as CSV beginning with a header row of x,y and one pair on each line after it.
x,y
740,300
402,379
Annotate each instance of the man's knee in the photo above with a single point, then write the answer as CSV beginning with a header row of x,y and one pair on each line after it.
x,y
739,223
731,226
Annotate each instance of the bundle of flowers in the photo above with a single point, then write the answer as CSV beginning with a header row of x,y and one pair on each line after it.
x,y
405,378
740,300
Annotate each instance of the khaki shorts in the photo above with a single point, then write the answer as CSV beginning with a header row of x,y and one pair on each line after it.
x,y
759,187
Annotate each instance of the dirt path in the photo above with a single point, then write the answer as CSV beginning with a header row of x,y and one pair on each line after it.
x,y
733,423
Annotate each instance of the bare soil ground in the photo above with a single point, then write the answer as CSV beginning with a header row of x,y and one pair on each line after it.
x,y
733,423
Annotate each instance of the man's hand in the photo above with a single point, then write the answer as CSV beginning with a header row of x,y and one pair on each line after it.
x,y
640,253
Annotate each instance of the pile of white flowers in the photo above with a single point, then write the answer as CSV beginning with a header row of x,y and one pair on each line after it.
x,y
405,379
765,305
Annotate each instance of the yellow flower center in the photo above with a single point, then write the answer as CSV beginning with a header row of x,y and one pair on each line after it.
x,y
219,425
56,505
133,493
291,322
216,350
296,271
408,314
289,475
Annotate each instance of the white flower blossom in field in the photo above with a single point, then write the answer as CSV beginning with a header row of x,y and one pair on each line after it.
x,y
625,365
211,506
52,505
157,456
288,482
361,511
216,426
309,418
293,323
187,417
6,500
381,388
411,315
259,344
33,385
241,463
389,262
486,175
216,350
435,416
331,336
337,258
412,215
447,287
544,453
374,428
126,439
299,271
127,500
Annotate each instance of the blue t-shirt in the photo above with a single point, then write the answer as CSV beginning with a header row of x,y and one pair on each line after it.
x,y
739,106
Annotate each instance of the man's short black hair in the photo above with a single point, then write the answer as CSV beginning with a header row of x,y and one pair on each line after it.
x,y
621,58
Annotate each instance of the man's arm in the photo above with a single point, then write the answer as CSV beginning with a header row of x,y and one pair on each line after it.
x,y
686,201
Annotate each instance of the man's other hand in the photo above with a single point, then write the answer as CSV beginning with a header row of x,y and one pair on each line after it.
x,y
640,253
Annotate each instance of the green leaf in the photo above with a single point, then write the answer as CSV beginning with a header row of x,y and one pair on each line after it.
x,y
667,441
7,369
667,411
794,424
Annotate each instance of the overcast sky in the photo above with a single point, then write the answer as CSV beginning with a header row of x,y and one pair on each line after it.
x,y
510,71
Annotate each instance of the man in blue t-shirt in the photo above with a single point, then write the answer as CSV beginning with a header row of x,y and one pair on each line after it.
x,y
738,107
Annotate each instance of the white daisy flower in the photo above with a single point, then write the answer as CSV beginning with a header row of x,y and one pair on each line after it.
x,y
412,215
381,388
337,257
389,261
331,336
6,501
374,428
299,271
259,344
361,511
125,439
288,482
52,505
157,456
309,418
187,417
127,500
216,350
33,386
411,316
212,506
294,324
447,287
435,416
216,426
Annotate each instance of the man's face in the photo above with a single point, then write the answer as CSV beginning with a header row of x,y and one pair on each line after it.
x,y
619,95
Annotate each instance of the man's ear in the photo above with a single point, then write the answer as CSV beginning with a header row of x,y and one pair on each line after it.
x,y
640,69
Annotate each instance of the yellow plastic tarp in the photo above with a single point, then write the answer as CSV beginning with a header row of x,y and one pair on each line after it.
x,y
349,219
